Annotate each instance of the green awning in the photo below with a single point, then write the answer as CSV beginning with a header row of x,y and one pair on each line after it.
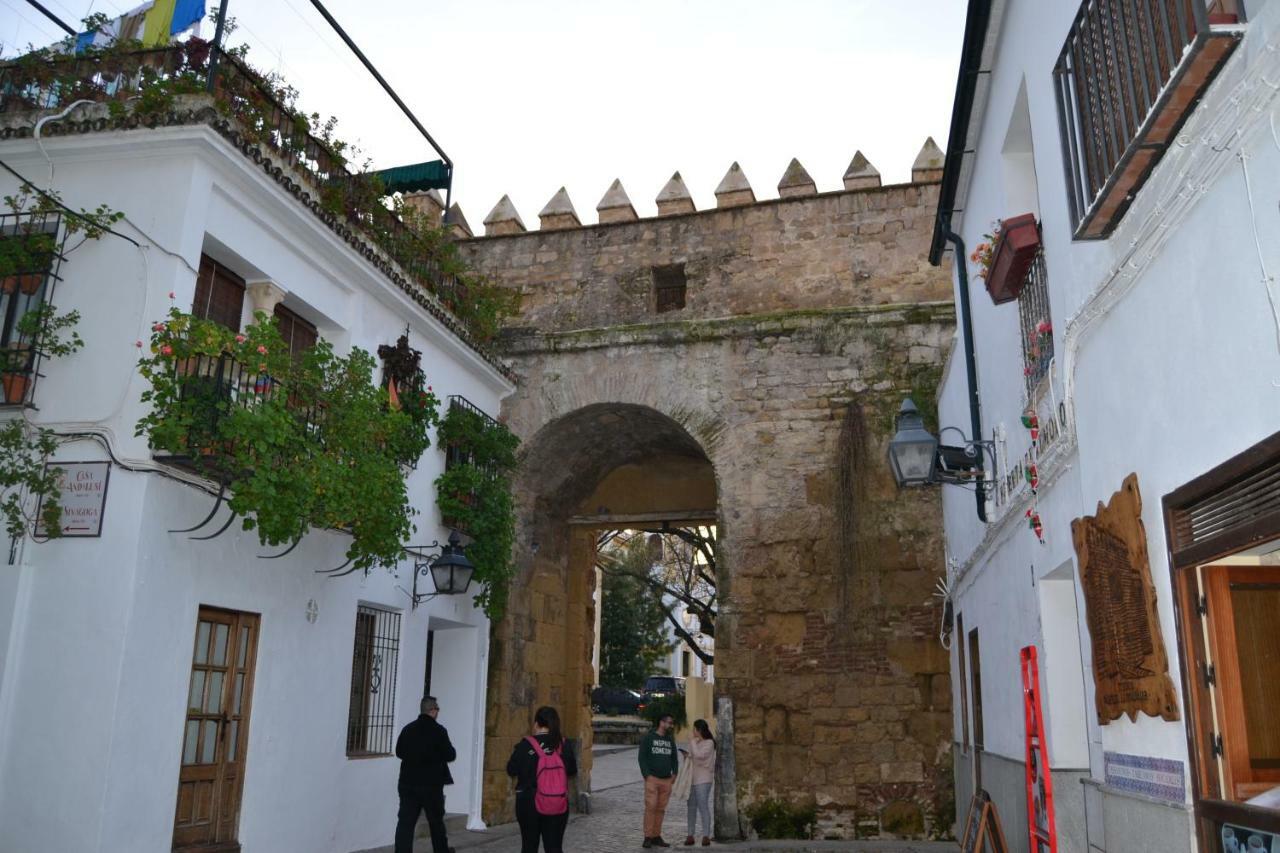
x,y
432,175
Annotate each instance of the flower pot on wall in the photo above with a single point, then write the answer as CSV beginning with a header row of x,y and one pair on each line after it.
x,y
1012,256
15,387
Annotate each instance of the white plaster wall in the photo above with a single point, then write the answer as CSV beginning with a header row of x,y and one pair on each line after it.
x,y
1182,373
95,634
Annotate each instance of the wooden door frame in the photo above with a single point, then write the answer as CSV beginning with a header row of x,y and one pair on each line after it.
x,y
1208,802
239,620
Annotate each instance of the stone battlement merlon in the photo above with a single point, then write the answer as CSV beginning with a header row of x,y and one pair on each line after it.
x,y
674,199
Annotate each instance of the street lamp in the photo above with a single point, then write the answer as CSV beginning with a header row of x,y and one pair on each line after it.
x,y
913,450
450,570
917,458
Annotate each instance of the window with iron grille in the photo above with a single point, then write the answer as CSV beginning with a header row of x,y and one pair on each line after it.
x,y
462,454
1037,327
669,285
24,288
371,719
219,294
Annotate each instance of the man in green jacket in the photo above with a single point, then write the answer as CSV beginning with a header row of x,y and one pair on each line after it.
x,y
659,763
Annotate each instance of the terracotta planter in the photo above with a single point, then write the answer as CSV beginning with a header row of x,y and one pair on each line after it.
x,y
1012,256
28,283
15,387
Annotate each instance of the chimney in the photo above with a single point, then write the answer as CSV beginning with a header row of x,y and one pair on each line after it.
x,y
675,198
503,219
734,190
861,175
558,213
796,182
616,205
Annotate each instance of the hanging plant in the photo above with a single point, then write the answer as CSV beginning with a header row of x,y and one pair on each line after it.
x,y
408,391
474,494
298,442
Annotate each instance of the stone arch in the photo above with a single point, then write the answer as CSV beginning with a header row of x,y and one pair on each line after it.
x,y
589,465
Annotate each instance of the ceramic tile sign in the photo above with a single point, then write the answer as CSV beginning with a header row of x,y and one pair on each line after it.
x,y
1157,778
1130,666
1241,839
83,496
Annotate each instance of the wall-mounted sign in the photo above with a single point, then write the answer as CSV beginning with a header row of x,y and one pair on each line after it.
x,y
1130,666
82,496
1157,778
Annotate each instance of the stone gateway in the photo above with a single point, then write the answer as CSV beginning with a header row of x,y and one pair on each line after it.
x,y
739,366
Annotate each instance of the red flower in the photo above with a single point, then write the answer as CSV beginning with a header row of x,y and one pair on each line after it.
x,y
262,350
166,350
239,339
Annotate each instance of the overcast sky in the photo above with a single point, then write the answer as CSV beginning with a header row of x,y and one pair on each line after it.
x,y
527,96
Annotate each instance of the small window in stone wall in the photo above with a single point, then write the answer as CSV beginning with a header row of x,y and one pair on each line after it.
x,y
669,285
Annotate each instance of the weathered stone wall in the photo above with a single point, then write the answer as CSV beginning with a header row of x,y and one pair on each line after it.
x,y
807,320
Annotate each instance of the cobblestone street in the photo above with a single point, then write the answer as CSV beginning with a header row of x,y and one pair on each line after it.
x,y
614,825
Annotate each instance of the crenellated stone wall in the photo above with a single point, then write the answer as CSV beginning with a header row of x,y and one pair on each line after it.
x,y
806,320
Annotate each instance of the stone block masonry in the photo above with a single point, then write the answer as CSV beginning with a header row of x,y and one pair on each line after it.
x,y
802,323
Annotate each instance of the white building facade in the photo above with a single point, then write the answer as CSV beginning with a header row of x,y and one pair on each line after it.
x,y
1143,340
104,705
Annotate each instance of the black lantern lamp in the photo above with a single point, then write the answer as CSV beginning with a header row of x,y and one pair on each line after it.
x,y
913,450
917,458
450,570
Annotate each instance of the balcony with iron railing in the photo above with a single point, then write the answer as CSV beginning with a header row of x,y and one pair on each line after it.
x,y
30,259
211,387
1129,74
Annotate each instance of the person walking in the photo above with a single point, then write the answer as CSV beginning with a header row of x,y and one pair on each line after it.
x,y
542,767
702,760
659,764
424,751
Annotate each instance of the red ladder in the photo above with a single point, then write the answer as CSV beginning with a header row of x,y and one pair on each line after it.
x,y
1043,830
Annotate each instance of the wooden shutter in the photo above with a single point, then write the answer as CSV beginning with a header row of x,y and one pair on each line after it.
x,y
219,294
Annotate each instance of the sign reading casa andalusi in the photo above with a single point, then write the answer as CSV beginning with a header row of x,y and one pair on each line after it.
x,y
1130,666
82,496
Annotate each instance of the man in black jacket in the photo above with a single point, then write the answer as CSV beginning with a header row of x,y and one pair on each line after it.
x,y
424,751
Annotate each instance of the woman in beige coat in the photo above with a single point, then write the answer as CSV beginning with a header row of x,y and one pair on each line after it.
x,y
702,758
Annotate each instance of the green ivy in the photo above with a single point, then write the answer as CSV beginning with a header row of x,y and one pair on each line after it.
x,y
778,819
300,441
22,471
474,495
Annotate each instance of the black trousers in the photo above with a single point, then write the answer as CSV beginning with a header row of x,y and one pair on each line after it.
x,y
415,799
534,826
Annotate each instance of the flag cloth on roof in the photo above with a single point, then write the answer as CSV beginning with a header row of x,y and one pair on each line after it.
x,y
167,18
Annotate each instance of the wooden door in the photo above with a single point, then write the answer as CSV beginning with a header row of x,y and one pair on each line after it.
x,y
1243,602
216,731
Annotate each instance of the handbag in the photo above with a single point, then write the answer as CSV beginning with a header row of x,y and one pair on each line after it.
x,y
684,778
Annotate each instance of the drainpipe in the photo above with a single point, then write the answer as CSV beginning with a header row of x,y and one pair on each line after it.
x,y
970,360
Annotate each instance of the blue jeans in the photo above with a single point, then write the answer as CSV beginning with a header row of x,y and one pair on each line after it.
x,y
700,803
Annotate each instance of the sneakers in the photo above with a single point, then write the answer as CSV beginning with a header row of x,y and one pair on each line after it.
x,y
658,842
706,842
688,841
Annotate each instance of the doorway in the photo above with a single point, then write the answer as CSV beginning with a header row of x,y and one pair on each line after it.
x,y
216,731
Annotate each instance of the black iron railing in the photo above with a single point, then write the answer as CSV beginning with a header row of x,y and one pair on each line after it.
x,y
259,108
461,454
214,385
1123,89
1037,327
32,255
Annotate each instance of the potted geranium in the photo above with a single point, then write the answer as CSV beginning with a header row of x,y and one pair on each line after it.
x,y
1007,255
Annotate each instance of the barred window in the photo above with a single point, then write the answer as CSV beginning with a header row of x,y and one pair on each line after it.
x,y
219,294
669,287
25,286
1037,328
371,719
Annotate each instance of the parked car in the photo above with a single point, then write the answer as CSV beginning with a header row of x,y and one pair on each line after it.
x,y
615,700
658,686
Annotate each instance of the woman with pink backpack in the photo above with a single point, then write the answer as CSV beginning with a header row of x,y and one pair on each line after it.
x,y
541,768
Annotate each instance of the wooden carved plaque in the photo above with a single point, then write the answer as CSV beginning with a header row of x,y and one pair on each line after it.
x,y
1130,667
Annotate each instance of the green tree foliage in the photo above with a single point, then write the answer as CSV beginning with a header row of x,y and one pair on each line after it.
x,y
632,618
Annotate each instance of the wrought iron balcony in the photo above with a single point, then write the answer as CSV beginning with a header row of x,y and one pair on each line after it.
x,y
213,386
1037,327
1129,75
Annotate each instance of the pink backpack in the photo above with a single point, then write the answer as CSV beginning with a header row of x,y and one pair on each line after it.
x,y
551,788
